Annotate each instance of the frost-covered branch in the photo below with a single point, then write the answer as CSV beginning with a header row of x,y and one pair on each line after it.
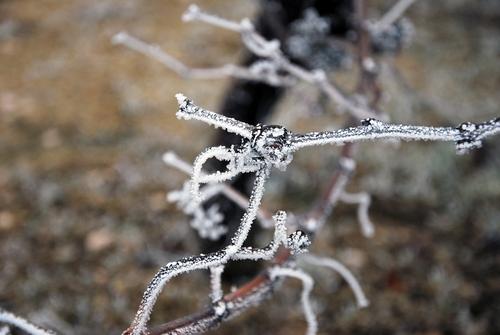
x,y
307,286
466,136
280,237
276,144
190,264
21,323
194,13
258,71
187,111
270,50
344,273
275,68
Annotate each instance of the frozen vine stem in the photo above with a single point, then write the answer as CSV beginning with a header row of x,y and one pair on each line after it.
x,y
266,147
274,145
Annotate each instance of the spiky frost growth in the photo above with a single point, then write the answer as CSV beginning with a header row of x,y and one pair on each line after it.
x,y
307,286
298,242
344,272
207,222
11,319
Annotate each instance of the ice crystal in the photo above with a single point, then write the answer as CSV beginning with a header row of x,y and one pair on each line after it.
x,y
298,242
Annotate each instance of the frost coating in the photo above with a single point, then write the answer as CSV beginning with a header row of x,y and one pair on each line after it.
x,y
466,137
188,111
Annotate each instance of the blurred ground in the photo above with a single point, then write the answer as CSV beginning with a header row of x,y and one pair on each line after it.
x,y
84,224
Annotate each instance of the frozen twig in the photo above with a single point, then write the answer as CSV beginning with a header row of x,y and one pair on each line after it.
x,y
307,286
189,264
259,71
276,144
344,272
220,153
363,201
4,330
269,251
466,136
194,13
188,111
21,323
391,16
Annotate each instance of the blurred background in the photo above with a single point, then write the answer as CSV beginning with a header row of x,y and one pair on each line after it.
x,y
84,224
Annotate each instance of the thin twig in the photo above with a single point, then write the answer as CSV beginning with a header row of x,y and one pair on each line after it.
x,y
343,271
